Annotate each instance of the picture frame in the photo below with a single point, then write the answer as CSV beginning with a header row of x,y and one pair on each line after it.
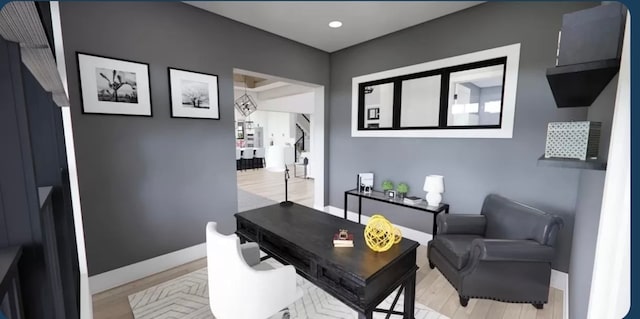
x,y
113,86
193,95
373,113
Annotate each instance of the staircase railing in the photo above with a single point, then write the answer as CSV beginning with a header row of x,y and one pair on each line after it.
x,y
299,145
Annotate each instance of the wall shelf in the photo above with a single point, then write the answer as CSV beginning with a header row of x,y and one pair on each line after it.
x,y
580,84
595,164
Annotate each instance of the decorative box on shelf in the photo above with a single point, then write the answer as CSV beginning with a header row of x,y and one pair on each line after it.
x,y
578,140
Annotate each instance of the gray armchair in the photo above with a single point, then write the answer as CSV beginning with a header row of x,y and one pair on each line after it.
x,y
503,254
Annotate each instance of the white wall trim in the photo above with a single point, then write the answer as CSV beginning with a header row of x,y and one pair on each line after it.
x,y
610,294
318,131
512,52
120,276
559,279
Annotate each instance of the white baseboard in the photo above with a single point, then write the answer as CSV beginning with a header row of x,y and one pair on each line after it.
x,y
559,280
117,277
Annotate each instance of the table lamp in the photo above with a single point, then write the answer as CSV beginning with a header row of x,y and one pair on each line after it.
x,y
434,186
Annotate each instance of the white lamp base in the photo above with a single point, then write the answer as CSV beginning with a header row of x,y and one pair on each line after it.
x,y
433,199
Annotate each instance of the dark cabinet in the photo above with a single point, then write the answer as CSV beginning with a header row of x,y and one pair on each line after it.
x,y
588,55
36,209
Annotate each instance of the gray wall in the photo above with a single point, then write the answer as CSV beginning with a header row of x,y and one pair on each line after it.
x,y
149,185
472,168
588,205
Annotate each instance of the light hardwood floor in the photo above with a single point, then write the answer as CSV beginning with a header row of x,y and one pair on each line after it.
x,y
432,290
271,185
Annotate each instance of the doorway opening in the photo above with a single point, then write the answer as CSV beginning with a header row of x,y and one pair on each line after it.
x,y
279,133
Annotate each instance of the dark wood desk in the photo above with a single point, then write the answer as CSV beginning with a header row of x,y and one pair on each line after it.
x,y
381,197
359,277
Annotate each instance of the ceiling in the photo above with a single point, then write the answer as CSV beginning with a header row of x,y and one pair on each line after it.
x,y
307,21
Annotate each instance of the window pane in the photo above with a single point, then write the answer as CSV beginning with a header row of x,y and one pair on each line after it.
x,y
378,106
475,96
420,102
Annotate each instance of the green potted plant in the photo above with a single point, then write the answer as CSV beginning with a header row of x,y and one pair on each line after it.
x,y
402,190
387,186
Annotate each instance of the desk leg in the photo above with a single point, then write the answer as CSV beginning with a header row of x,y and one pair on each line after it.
x,y
359,209
435,225
366,315
410,296
345,205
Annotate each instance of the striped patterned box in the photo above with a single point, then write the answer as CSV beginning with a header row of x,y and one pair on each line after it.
x,y
579,140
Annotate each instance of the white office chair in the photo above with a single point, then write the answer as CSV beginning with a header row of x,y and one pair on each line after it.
x,y
247,158
240,286
238,158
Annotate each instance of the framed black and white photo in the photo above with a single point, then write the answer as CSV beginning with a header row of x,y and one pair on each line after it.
x,y
373,113
113,86
193,94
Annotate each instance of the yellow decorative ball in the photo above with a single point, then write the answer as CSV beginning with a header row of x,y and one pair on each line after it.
x,y
380,234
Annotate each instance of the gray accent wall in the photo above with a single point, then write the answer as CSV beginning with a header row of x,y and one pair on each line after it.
x,y
472,168
588,207
149,185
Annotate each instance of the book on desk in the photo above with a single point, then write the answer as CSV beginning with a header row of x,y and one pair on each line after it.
x,y
342,239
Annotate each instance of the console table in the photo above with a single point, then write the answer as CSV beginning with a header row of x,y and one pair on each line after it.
x,y
9,281
381,197
358,276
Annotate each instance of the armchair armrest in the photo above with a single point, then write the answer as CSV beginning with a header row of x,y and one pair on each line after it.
x,y
250,253
511,250
461,224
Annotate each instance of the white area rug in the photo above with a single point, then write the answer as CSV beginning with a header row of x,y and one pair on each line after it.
x,y
187,297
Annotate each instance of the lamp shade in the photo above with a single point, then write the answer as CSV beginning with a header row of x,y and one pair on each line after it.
x,y
289,155
434,183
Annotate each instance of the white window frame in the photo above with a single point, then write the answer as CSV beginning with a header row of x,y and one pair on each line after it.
x,y
512,52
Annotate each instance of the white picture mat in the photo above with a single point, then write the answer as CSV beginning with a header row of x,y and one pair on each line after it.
x,y
177,109
87,65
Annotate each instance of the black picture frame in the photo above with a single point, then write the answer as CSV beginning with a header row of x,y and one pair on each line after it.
x,y
182,73
91,106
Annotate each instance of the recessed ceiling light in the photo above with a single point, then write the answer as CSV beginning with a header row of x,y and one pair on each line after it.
x,y
335,24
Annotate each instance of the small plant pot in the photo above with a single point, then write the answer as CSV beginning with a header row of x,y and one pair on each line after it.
x,y
401,195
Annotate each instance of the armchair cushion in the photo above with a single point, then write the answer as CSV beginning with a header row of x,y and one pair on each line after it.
x,y
461,224
511,250
455,248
